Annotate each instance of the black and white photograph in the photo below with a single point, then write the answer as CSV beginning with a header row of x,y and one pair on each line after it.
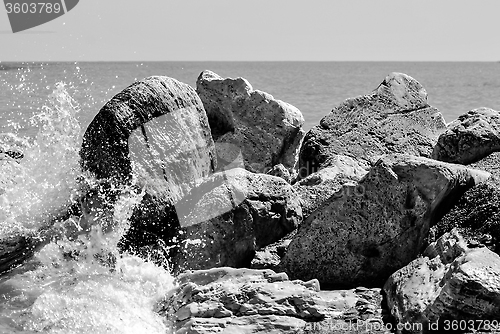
x,y
249,167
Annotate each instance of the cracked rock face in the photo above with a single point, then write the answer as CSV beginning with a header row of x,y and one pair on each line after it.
x,y
470,138
394,118
450,282
228,300
364,233
267,131
230,215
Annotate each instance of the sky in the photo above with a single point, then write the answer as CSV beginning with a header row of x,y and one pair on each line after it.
x,y
262,30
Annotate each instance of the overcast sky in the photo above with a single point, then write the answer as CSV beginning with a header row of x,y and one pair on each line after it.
x,y
372,30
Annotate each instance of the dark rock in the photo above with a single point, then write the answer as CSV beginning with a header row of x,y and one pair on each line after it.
x,y
449,283
366,232
231,215
395,118
156,132
267,131
470,137
476,214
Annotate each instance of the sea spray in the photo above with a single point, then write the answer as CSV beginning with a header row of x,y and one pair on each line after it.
x,y
77,282
44,183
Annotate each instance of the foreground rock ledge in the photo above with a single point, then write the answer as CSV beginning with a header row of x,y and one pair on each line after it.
x,y
395,118
451,282
364,233
228,300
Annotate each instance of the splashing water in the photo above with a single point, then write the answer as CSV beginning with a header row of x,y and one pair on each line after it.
x,y
76,283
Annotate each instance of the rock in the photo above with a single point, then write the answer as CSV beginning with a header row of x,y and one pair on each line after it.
x,y
227,300
476,214
449,284
366,232
270,256
280,171
394,118
470,137
231,214
318,187
267,131
156,131
12,146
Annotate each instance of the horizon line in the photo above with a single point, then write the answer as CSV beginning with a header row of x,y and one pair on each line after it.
x,y
250,61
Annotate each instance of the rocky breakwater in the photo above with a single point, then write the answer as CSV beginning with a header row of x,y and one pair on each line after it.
x,y
265,130
365,232
394,118
450,288
157,132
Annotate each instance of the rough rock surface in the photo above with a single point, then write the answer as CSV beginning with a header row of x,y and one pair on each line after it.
x,y
477,213
394,118
469,138
451,282
318,187
267,131
228,300
157,130
378,226
231,214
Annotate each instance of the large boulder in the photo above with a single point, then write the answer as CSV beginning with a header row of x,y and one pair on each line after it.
x,y
470,137
394,118
267,131
365,232
228,300
154,133
450,287
230,215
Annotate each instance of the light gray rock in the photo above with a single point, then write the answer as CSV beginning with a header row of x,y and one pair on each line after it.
x,y
230,215
368,231
469,138
228,300
318,187
451,282
267,131
394,118
156,131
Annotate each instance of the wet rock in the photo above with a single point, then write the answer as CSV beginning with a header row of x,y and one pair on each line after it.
x,y
394,118
228,300
267,131
157,132
270,256
230,215
469,138
450,282
378,226
318,187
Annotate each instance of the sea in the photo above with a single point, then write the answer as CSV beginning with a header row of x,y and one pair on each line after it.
x,y
44,111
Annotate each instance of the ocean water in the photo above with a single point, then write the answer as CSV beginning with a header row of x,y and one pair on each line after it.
x,y
313,87
44,109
